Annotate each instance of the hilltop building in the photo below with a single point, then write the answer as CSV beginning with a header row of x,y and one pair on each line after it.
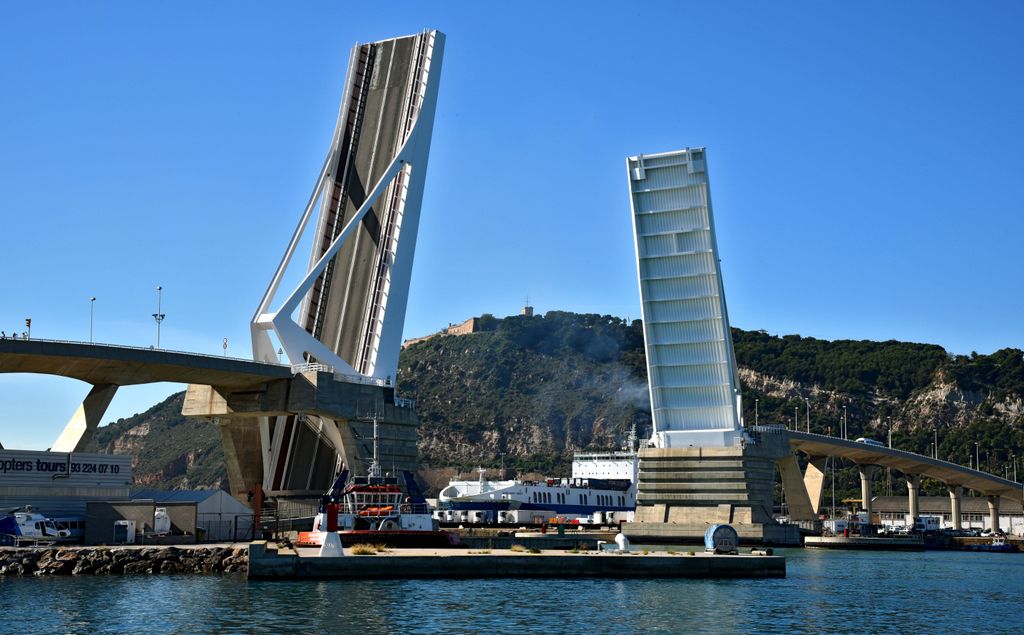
x,y
468,327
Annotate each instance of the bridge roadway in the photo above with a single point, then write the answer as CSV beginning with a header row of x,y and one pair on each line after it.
x,y
819,447
108,367
100,364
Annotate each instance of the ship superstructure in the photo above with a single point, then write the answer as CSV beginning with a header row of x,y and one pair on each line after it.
x,y
602,489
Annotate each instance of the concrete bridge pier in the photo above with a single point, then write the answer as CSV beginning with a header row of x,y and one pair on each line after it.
x,y
913,487
86,419
291,436
814,481
866,473
993,512
955,493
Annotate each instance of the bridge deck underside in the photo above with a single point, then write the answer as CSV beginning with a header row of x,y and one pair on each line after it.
x,y
952,474
123,366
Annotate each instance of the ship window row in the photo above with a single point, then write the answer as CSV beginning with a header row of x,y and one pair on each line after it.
x,y
606,499
583,499
377,499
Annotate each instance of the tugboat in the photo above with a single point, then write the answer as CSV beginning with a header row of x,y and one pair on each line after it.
x,y
999,544
373,509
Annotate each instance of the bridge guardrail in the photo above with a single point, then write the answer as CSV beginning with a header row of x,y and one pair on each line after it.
x,y
143,348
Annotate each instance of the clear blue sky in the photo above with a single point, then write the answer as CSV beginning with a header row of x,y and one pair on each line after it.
x,y
864,159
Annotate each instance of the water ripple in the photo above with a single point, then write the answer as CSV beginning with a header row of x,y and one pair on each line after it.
x,y
944,592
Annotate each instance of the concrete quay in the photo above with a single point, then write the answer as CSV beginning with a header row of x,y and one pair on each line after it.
x,y
268,561
537,540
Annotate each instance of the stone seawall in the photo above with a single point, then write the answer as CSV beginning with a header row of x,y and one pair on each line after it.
x,y
121,560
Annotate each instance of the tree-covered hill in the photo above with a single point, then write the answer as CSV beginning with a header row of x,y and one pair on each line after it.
x,y
527,391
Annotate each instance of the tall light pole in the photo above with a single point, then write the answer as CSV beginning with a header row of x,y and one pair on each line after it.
x,y
92,302
756,401
977,456
889,425
158,316
808,402
832,461
936,442
844,423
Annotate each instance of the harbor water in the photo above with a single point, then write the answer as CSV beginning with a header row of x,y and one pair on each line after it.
x,y
824,591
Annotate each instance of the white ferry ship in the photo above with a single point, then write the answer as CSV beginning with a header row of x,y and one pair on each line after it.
x,y
602,490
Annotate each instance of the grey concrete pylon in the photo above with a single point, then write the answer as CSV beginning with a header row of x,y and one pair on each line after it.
x,y
955,492
800,507
913,488
243,455
79,429
866,473
993,512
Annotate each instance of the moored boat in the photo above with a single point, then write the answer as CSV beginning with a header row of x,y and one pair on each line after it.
x,y
374,509
999,544
601,490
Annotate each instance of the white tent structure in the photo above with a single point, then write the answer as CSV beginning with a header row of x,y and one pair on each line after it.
x,y
221,517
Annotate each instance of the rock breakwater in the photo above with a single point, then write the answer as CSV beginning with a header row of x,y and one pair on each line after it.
x,y
121,560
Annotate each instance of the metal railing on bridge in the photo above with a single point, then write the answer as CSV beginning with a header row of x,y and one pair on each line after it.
x,y
144,348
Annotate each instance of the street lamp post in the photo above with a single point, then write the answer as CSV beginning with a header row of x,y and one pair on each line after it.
x,y
808,402
844,423
756,401
832,463
888,421
92,303
977,456
158,316
936,442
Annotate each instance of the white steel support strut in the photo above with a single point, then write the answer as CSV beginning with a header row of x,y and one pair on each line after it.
x,y
402,179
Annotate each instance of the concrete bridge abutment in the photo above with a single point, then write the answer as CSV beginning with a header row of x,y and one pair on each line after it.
x,y
292,435
682,491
